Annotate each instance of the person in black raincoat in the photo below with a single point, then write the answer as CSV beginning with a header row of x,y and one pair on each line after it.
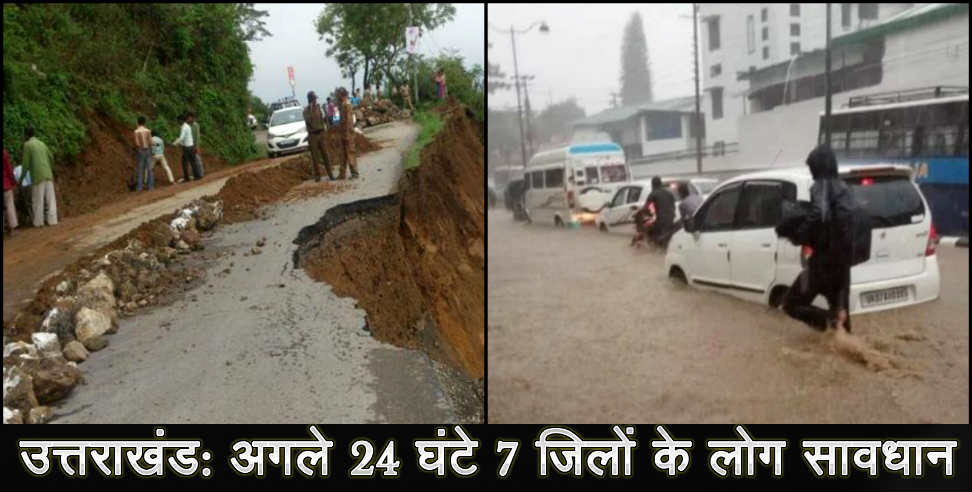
x,y
828,230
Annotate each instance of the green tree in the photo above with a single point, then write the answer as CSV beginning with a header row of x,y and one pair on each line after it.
x,y
635,78
373,34
553,123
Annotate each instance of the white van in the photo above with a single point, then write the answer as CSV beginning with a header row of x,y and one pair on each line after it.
x,y
572,184
732,245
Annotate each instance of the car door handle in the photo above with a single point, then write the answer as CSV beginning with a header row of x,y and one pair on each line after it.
x,y
767,245
722,245
634,207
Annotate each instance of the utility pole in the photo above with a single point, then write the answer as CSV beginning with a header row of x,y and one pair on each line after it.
x,y
827,91
528,111
411,60
698,104
519,106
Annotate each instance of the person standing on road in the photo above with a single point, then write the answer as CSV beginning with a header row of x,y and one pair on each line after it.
x,y
356,98
38,162
827,230
690,202
367,96
663,203
188,149
143,157
331,112
197,140
317,131
407,97
346,129
9,185
158,156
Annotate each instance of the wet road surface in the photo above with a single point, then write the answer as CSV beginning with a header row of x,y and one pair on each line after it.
x,y
584,329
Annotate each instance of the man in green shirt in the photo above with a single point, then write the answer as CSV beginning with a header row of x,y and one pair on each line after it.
x,y
195,139
38,162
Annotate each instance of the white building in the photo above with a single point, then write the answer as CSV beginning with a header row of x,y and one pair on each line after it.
x,y
767,111
647,129
738,38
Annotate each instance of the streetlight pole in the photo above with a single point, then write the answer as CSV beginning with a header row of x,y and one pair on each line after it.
x,y
519,106
516,78
827,90
698,109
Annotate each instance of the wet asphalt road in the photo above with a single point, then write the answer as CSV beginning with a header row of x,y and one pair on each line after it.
x,y
584,329
264,343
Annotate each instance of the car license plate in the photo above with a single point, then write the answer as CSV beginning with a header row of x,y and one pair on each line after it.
x,y
288,142
886,296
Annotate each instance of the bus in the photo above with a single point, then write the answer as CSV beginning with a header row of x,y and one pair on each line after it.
x,y
572,184
927,129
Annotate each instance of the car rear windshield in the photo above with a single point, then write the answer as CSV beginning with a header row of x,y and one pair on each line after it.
x,y
284,117
891,200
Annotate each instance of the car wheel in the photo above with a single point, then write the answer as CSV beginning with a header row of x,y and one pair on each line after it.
x,y
558,222
603,227
678,276
777,295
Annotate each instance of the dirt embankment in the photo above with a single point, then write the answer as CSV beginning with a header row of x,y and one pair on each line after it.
x,y
415,262
103,170
241,196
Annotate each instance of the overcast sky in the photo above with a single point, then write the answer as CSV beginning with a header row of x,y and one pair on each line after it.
x,y
581,55
295,42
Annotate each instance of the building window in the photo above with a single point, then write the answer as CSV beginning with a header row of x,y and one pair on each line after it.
x,y
765,33
764,14
794,29
794,49
867,11
717,103
795,9
661,126
713,33
715,70
845,15
750,34
766,52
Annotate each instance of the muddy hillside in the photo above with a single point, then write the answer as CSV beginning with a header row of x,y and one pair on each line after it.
x,y
414,261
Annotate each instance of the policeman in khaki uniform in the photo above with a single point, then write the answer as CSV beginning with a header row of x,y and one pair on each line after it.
x,y
346,129
316,129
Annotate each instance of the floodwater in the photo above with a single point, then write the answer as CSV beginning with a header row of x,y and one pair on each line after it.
x,y
582,328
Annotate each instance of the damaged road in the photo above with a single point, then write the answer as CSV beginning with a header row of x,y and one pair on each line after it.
x,y
260,342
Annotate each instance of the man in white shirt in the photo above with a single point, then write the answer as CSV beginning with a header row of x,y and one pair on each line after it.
x,y
188,149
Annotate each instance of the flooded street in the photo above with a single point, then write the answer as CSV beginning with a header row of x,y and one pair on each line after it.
x,y
585,329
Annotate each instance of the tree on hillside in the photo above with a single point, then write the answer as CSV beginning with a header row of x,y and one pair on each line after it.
x,y
254,29
495,78
374,33
553,123
635,78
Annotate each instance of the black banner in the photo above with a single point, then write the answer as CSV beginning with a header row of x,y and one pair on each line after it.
x,y
629,457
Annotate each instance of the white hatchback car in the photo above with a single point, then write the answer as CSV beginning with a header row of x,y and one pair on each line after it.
x,y
732,247
618,214
287,132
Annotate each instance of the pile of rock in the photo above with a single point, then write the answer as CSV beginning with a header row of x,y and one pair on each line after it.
x,y
378,113
86,310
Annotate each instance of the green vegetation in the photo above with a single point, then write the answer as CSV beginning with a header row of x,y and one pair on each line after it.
x,y
431,124
371,36
65,65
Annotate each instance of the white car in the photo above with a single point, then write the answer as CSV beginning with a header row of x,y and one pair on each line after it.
x,y
286,132
618,214
731,245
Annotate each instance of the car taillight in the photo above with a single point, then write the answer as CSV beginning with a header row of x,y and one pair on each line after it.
x,y
932,242
570,199
807,252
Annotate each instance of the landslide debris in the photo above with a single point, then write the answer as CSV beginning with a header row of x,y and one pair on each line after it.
x,y
415,261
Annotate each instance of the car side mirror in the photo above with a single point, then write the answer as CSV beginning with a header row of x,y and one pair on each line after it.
x,y
688,224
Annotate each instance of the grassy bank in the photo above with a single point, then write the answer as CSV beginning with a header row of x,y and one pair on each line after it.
x,y
430,124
